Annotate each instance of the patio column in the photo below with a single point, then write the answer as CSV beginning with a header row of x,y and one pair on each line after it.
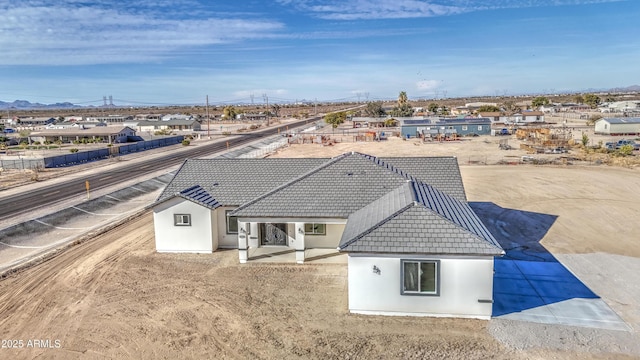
x,y
243,246
299,243
253,235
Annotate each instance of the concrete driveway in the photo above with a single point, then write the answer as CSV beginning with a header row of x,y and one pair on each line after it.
x,y
547,292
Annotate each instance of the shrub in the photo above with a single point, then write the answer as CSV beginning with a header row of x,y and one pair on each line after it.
x,y
73,150
186,142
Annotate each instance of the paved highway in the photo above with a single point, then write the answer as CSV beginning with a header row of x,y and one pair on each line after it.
x,y
32,199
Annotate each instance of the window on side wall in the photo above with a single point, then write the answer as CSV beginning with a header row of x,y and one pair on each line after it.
x,y
315,229
420,277
232,223
182,219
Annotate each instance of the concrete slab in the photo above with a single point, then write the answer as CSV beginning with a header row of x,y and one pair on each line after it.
x,y
546,292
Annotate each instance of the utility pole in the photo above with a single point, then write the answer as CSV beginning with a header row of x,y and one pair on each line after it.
x,y
208,121
266,99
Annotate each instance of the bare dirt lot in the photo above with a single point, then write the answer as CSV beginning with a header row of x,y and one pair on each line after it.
x,y
115,297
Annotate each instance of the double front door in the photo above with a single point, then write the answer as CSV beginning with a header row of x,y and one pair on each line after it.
x,y
273,234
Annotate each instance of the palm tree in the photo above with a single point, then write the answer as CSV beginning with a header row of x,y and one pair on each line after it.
x,y
402,98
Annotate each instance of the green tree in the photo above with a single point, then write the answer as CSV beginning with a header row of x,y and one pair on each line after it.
x,y
390,122
335,118
276,109
592,100
444,110
374,109
402,98
539,101
433,107
578,99
488,108
403,108
585,140
510,106
230,112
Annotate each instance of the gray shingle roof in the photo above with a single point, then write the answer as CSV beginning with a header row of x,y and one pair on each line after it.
x,y
350,181
335,189
233,182
442,172
417,218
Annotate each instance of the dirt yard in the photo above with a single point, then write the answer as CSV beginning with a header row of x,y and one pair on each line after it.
x,y
115,297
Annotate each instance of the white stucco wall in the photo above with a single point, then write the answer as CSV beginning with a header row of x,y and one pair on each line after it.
x,y
602,127
330,240
225,241
196,238
463,281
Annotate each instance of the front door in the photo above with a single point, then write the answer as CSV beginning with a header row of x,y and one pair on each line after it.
x,y
273,234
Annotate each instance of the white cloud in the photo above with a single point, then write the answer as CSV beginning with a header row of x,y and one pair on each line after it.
x,y
53,33
402,9
426,85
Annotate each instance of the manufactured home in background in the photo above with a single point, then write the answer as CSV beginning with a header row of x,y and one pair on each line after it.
x,y
445,128
414,245
618,126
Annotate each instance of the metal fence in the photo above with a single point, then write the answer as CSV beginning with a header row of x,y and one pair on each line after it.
x,y
92,155
149,144
75,158
22,164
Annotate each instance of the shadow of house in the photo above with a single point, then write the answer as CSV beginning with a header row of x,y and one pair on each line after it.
x,y
528,276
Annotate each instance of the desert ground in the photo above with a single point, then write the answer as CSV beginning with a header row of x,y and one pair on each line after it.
x,y
113,296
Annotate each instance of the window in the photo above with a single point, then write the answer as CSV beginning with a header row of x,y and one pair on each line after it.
x,y
315,229
181,219
232,223
464,127
480,127
420,277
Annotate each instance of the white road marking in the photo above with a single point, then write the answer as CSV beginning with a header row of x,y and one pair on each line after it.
x,y
24,247
59,227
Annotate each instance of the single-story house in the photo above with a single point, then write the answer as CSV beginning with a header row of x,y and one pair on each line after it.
x,y
414,245
529,117
174,124
445,127
75,124
111,119
177,117
496,117
252,116
35,121
106,133
369,122
618,126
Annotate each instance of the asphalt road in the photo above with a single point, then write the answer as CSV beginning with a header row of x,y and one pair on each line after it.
x,y
32,199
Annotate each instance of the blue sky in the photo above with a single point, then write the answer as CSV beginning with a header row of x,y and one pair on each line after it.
x,y
145,52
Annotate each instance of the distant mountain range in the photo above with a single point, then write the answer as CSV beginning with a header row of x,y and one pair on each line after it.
x,y
27,105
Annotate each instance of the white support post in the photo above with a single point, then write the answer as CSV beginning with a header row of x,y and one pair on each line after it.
x,y
299,243
243,245
254,241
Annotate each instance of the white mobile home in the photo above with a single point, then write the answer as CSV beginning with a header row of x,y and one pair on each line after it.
x,y
618,126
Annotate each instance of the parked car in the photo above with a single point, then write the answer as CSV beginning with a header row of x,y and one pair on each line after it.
x,y
624,142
